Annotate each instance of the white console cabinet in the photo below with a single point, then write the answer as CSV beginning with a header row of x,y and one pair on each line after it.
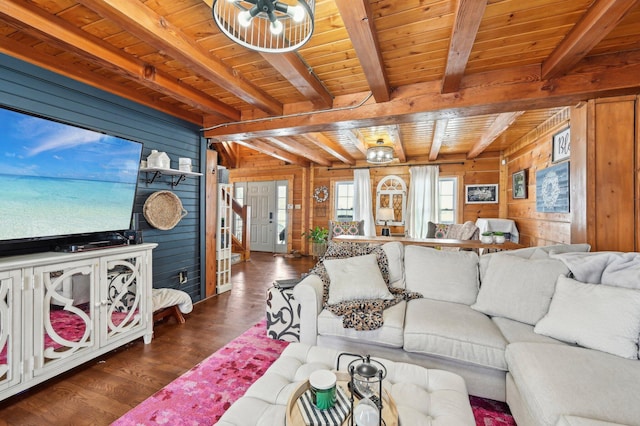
x,y
59,310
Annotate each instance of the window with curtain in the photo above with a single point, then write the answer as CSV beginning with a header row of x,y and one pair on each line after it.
x,y
423,200
447,196
343,201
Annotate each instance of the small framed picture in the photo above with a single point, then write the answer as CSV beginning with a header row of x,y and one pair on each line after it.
x,y
519,181
561,145
484,193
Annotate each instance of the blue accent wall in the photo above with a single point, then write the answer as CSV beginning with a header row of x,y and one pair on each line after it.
x,y
32,89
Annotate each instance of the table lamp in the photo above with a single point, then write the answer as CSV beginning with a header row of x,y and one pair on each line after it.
x,y
385,214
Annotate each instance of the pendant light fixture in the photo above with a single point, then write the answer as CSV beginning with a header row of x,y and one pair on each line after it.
x,y
269,26
380,154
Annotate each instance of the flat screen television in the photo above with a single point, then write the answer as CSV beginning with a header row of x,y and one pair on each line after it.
x,y
61,180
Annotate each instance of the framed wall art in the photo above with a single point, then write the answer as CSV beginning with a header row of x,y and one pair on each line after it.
x,y
483,193
561,145
519,184
552,189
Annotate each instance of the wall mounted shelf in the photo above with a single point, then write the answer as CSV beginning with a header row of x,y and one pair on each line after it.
x,y
158,172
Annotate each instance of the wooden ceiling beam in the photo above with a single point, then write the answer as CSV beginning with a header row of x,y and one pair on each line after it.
x,y
396,139
438,136
480,94
499,125
357,140
359,22
301,77
227,152
69,38
601,17
141,21
469,14
294,147
328,145
272,151
17,50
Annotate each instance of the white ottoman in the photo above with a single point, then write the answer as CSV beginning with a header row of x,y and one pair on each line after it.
x,y
422,396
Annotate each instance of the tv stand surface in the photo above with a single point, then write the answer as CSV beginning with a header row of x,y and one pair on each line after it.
x,y
95,245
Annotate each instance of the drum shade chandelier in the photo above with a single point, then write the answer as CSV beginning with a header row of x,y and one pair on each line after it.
x,y
379,154
269,26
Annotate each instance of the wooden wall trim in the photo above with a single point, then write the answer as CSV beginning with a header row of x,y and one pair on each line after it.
x,y
578,174
211,216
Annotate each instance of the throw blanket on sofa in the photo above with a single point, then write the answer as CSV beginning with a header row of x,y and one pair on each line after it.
x,y
360,314
606,267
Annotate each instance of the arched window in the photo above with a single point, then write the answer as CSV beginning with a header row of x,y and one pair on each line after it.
x,y
392,192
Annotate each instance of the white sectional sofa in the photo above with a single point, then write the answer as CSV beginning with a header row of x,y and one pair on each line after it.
x,y
509,323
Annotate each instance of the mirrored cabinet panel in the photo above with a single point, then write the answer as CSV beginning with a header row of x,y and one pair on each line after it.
x,y
59,310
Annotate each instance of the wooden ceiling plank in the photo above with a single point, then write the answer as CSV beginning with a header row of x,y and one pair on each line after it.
x,y
465,28
333,148
72,39
138,19
359,22
438,136
599,20
272,151
17,50
499,125
480,94
398,146
293,146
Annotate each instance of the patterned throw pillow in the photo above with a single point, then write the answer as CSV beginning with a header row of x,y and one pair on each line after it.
x,y
345,228
441,230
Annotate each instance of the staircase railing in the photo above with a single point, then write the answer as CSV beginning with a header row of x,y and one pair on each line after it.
x,y
241,245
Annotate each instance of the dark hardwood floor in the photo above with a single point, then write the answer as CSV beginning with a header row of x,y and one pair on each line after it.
x,y
102,390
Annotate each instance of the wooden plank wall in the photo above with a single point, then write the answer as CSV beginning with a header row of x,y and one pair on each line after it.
x,y
255,166
533,153
29,88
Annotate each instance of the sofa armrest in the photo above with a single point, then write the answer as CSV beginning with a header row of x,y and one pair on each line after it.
x,y
308,293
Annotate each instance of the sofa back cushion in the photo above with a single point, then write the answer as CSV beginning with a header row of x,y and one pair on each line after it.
x,y
442,275
518,289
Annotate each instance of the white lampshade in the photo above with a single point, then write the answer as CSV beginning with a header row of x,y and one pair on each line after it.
x,y
386,213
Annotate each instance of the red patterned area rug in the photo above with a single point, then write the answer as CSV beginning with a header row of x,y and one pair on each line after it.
x,y
201,395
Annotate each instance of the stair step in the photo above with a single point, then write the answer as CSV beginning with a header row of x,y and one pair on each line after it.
x,y
235,258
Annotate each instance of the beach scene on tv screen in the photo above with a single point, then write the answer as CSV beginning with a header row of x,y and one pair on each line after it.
x,y
59,179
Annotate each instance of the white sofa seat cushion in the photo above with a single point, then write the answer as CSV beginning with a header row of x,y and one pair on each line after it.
x,y
554,380
442,275
454,331
514,331
390,334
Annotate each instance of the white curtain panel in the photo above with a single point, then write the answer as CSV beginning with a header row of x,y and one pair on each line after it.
x,y
363,206
423,200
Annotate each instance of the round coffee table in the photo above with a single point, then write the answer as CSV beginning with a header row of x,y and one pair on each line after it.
x,y
294,416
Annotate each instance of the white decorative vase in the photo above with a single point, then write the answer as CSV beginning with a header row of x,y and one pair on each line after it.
x,y
486,239
499,239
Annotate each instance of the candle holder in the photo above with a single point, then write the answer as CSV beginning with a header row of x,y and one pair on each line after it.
x,y
365,383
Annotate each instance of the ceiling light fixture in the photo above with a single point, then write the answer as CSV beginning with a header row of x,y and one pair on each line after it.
x,y
379,154
269,26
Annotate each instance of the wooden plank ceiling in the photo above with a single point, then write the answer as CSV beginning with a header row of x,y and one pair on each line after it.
x,y
429,77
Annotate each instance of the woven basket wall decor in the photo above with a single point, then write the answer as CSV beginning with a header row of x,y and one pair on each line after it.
x,y
163,210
